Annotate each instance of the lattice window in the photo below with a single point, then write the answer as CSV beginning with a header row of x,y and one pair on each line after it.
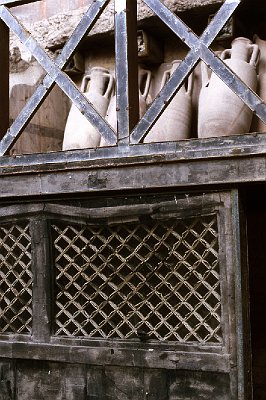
x,y
15,278
154,279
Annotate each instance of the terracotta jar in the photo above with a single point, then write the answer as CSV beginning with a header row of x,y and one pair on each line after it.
x,y
79,132
257,124
175,122
144,81
221,112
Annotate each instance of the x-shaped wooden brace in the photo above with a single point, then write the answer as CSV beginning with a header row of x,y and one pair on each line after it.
x,y
54,73
199,51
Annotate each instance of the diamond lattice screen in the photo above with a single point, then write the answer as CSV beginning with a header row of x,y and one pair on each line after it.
x,y
154,280
15,278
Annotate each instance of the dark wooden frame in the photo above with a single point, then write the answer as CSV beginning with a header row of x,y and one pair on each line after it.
x,y
186,165
42,346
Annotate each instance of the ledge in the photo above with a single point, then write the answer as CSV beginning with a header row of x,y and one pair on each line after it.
x,y
149,357
185,165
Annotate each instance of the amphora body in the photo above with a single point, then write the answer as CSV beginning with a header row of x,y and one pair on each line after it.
x,y
175,121
221,111
79,132
144,81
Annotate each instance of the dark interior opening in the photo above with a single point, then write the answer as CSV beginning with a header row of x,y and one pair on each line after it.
x,y
256,230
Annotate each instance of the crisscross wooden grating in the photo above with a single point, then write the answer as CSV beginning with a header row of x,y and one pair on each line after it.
x,y
130,130
15,278
157,278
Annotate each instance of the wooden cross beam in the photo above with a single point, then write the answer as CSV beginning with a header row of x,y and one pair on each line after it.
x,y
4,66
199,51
14,3
55,74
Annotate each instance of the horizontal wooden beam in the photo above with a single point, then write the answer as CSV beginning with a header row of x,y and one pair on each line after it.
x,y
205,150
74,172
88,353
14,3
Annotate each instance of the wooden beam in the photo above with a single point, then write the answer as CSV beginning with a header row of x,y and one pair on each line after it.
x,y
14,3
4,79
126,68
41,305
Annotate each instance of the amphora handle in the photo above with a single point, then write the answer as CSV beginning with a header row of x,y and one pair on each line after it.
x,y
254,57
204,74
109,88
169,72
145,74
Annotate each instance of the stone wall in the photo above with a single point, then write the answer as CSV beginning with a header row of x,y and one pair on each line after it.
x,y
52,22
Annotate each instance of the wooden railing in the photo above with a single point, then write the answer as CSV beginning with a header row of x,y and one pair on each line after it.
x,y
130,129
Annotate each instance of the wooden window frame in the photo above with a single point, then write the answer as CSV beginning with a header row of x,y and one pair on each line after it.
x,y
43,345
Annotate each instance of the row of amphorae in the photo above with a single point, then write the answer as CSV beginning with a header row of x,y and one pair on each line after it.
x,y
220,111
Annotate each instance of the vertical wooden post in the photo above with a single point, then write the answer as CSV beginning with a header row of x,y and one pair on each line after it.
x,y
41,307
126,68
4,79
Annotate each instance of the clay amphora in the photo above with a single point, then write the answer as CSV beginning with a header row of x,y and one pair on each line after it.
x,y
144,81
257,124
222,112
79,132
175,122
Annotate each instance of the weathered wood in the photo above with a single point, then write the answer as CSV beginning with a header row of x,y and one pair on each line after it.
x,y
179,206
43,380
233,147
38,380
55,75
4,79
7,380
194,386
126,68
115,355
46,130
183,175
243,338
41,291
124,357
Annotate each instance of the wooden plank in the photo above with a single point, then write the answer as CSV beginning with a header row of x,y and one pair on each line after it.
x,y
41,291
199,385
126,68
4,79
243,334
7,380
180,206
233,147
180,175
117,383
39,380
115,355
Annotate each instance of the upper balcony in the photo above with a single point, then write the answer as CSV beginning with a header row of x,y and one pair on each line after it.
x,y
162,82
